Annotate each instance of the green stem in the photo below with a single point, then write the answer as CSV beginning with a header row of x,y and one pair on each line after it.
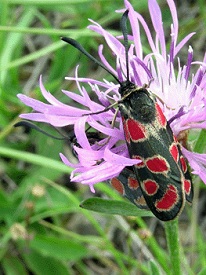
x,y
172,235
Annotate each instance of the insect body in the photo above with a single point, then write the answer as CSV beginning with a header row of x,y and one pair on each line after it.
x,y
160,180
162,172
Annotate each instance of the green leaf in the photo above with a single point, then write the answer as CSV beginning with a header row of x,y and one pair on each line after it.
x,y
13,266
58,248
41,265
5,206
58,204
35,159
203,271
153,268
114,207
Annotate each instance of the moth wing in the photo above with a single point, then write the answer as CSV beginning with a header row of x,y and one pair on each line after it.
x,y
127,185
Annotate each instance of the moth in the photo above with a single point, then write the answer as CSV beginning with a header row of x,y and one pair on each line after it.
x,y
161,180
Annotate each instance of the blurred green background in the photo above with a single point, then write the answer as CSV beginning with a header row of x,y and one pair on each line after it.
x,y
42,228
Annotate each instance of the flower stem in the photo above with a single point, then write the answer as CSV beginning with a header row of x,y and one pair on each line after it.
x,y
172,235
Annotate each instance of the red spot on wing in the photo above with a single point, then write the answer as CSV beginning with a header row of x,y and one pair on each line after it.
x,y
161,118
136,130
117,185
187,186
169,199
157,164
183,164
140,164
140,201
133,183
174,151
150,187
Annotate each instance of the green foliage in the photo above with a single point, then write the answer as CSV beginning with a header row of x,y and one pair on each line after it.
x,y
43,229
114,207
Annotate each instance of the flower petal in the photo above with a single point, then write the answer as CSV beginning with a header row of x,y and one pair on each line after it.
x,y
197,163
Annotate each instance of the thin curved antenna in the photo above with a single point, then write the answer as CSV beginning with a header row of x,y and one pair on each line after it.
x,y
30,125
123,25
79,47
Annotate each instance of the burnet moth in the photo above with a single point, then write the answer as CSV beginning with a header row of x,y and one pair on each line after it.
x,y
161,181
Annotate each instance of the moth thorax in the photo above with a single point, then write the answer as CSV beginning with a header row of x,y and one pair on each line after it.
x,y
126,88
142,106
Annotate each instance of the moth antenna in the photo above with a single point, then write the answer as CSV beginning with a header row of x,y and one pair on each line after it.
x,y
30,125
79,47
123,25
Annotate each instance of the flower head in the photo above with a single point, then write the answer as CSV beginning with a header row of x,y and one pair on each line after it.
x,y
181,95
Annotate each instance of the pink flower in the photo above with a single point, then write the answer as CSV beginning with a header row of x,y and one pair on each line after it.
x,y
181,95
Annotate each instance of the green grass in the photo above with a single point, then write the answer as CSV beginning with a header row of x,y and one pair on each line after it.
x,y
43,230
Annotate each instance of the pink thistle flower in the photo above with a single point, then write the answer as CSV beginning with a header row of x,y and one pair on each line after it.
x,y
181,95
